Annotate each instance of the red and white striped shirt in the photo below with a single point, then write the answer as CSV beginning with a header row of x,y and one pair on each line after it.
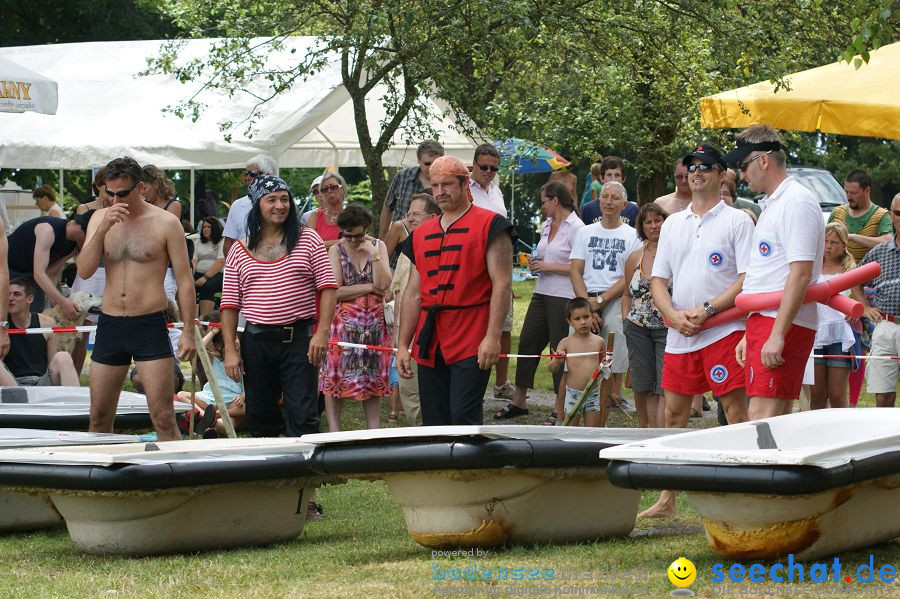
x,y
279,292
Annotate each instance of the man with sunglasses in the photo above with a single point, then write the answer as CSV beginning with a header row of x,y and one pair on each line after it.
x,y
486,194
786,255
407,183
703,252
138,241
236,223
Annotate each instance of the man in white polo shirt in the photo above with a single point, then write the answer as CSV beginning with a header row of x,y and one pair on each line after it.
x,y
703,251
486,194
598,257
786,255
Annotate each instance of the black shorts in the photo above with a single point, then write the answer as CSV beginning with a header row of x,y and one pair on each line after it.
x,y
121,338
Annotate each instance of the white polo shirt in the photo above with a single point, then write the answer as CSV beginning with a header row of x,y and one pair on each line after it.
x,y
790,229
702,256
604,252
489,199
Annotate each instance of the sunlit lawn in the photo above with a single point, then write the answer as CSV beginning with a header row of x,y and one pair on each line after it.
x,y
362,549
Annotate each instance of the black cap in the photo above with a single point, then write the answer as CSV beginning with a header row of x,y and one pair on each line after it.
x,y
707,154
744,148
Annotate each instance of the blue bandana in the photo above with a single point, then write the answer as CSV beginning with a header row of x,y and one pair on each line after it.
x,y
266,184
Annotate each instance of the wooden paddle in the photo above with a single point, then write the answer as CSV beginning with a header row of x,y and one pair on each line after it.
x,y
220,402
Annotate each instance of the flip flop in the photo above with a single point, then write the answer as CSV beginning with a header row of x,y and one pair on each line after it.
x,y
510,411
551,420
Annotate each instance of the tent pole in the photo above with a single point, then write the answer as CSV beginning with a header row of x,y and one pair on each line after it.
x,y
61,187
337,160
192,197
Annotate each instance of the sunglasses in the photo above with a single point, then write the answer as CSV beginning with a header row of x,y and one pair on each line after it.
x,y
742,166
487,167
895,212
346,235
692,168
329,188
122,193
427,163
316,192
253,174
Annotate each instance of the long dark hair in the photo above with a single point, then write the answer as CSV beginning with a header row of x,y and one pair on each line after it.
x,y
292,226
215,230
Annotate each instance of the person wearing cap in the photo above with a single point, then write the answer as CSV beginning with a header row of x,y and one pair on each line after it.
x,y
236,222
788,243
314,193
39,248
703,252
456,299
138,242
272,277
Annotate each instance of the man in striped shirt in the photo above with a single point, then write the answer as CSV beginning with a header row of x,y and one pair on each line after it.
x,y
272,277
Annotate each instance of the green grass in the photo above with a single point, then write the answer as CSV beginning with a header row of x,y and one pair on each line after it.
x,y
362,549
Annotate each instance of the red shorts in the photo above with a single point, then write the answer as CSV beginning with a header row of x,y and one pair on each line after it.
x,y
786,381
712,368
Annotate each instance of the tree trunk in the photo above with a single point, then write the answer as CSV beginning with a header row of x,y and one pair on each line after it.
x,y
650,187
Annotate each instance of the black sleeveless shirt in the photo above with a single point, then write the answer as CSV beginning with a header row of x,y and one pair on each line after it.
x,y
22,241
27,353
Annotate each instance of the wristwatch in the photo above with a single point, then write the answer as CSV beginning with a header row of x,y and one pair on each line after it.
x,y
4,324
709,309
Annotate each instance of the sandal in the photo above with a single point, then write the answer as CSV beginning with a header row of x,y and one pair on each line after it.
x,y
393,416
551,420
510,411
695,413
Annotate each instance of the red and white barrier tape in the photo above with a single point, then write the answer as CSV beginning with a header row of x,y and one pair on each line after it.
x,y
382,348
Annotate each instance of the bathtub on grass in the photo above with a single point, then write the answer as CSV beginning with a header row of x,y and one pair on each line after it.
x,y
810,484
481,486
169,497
22,510
69,408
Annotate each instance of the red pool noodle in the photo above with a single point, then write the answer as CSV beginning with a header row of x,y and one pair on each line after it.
x,y
816,293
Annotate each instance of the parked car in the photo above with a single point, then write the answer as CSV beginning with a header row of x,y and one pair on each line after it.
x,y
822,183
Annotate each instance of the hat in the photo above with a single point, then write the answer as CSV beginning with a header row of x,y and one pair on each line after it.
x,y
744,148
266,184
316,181
707,154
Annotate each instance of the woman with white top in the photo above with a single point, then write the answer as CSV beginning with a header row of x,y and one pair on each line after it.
x,y
545,320
834,336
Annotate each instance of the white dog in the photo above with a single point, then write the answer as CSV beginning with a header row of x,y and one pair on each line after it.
x,y
84,301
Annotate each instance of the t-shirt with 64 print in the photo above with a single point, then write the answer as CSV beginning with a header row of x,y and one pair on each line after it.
x,y
604,252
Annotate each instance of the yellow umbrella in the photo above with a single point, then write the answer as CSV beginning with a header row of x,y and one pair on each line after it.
x,y
835,98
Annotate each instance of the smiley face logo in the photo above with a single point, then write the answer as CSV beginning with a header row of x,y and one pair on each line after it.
x,y
682,572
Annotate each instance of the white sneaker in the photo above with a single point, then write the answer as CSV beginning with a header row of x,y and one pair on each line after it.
x,y
504,391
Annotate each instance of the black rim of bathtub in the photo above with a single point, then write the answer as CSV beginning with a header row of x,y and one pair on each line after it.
x,y
147,477
71,422
466,453
772,480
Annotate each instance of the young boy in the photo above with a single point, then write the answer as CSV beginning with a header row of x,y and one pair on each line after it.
x,y
580,369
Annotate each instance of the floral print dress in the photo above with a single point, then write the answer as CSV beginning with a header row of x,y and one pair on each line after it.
x,y
357,374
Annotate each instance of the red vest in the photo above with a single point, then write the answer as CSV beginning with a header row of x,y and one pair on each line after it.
x,y
454,286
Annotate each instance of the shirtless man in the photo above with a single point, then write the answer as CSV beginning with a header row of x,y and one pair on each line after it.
x,y
137,241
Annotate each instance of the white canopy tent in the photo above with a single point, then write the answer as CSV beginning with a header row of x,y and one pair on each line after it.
x,y
23,90
106,110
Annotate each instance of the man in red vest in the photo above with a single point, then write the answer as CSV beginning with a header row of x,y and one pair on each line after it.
x,y
456,299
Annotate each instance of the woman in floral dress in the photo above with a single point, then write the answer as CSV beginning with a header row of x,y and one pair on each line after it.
x,y
360,264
